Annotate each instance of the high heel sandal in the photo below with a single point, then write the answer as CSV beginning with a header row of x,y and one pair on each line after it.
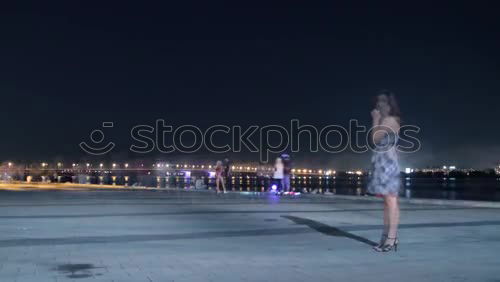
x,y
381,243
389,247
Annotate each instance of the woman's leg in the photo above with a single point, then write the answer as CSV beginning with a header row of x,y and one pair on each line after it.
x,y
217,183
223,184
393,212
385,231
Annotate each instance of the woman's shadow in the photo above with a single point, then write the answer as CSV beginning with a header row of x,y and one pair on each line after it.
x,y
327,230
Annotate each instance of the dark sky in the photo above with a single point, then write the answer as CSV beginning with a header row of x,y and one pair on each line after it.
x,y
64,69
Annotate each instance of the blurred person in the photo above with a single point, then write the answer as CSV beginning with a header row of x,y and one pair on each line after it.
x,y
219,178
227,172
278,174
287,172
385,180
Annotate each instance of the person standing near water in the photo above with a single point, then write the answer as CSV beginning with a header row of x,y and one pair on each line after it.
x,y
287,172
278,174
227,172
219,179
385,180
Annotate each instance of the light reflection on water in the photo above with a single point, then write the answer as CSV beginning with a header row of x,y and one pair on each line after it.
x,y
437,188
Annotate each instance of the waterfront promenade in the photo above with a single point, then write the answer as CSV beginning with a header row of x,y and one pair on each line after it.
x,y
158,235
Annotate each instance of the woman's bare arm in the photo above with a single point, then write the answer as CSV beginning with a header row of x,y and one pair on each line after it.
x,y
386,125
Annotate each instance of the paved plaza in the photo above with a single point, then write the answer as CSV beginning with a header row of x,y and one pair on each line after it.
x,y
110,235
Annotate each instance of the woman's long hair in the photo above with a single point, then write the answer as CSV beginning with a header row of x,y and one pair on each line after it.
x,y
391,100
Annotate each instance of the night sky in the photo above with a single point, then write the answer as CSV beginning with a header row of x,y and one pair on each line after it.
x,y
67,68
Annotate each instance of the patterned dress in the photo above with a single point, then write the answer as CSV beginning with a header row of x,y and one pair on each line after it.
x,y
385,178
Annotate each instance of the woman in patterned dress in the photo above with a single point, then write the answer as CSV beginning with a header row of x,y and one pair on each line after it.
x,y
385,180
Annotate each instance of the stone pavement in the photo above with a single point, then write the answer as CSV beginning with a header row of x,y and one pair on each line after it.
x,y
110,235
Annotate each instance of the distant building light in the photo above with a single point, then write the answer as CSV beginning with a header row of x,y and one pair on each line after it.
x,y
452,167
408,170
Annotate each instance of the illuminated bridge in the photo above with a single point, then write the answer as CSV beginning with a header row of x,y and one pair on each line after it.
x,y
162,175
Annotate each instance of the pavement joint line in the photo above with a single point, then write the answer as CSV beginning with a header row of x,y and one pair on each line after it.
x,y
441,202
418,201
221,234
204,212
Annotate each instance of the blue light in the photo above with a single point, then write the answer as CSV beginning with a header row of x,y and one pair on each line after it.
x,y
274,187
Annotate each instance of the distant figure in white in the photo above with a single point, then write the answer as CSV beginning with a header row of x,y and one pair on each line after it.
x,y
279,173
